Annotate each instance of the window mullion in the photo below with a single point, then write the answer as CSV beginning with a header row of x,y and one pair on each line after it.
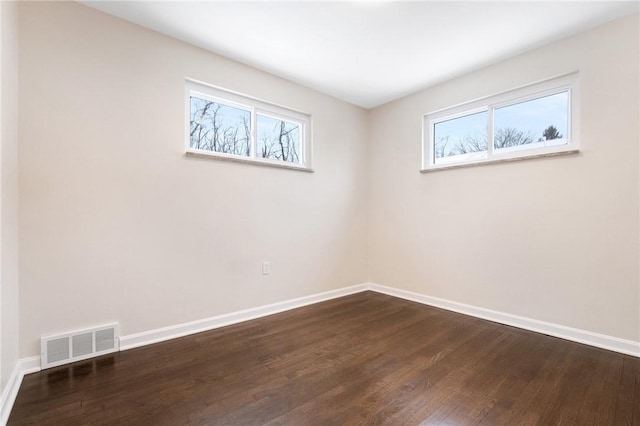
x,y
254,134
489,132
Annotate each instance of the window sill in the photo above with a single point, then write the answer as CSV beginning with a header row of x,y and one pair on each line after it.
x,y
500,161
252,161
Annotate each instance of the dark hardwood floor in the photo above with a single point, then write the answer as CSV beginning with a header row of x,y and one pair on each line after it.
x,y
365,359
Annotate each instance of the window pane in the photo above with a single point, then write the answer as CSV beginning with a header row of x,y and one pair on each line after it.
x,y
278,139
220,128
460,139
532,124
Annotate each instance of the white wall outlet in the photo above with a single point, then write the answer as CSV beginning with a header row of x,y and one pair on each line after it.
x,y
266,268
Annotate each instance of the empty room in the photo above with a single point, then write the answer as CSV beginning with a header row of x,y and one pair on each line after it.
x,y
319,213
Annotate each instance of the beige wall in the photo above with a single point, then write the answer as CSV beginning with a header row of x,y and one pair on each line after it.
x,y
8,189
117,224
550,239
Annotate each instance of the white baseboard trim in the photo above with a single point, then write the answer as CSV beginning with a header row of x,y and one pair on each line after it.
x,y
171,332
628,347
9,393
30,365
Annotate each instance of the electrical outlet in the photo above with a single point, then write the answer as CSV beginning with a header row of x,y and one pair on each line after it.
x,y
266,268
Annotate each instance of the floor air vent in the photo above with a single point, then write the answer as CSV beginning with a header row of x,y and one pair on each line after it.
x,y
78,345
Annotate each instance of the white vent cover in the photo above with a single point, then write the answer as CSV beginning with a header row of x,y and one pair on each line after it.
x,y
78,345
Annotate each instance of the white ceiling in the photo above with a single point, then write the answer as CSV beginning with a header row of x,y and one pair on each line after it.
x,y
368,53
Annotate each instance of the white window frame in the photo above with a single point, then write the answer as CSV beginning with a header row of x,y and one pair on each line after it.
x,y
565,83
255,107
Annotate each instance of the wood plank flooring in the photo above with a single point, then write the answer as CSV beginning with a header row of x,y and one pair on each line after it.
x,y
366,359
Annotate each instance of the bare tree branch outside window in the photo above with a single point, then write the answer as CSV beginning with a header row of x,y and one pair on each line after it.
x,y
220,128
278,139
508,137
461,135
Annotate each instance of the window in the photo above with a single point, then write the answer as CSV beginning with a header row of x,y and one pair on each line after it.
x,y
536,120
226,125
